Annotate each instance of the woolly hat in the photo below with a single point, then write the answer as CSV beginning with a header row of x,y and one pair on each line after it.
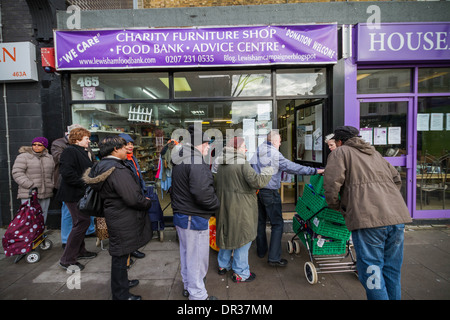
x,y
344,133
126,137
42,140
198,137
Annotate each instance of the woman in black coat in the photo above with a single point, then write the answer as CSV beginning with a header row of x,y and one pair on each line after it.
x,y
73,163
125,208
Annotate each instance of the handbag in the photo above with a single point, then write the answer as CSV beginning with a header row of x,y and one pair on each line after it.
x,y
91,203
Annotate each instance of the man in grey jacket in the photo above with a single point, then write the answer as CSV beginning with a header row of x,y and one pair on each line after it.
x,y
269,201
360,183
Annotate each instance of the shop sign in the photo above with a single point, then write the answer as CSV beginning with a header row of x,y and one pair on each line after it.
x,y
18,62
403,42
188,47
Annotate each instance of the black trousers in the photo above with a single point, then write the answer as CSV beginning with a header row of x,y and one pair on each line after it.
x,y
119,278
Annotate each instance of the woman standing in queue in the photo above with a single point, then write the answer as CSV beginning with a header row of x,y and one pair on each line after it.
x,y
73,163
125,208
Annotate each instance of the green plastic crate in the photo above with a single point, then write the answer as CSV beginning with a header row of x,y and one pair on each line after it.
x,y
332,215
319,245
329,229
303,210
317,182
312,199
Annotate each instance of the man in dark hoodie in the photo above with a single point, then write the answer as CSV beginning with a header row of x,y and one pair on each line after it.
x,y
125,208
193,202
360,183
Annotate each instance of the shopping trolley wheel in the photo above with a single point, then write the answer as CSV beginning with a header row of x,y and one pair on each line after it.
x,y
161,236
290,247
310,273
33,257
46,244
297,246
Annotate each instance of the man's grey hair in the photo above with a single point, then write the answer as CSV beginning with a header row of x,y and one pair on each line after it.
x,y
272,134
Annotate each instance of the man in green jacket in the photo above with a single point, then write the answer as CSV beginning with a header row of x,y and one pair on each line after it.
x,y
360,183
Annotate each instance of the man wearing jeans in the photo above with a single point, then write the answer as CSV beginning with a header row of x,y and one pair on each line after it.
x,y
360,183
269,201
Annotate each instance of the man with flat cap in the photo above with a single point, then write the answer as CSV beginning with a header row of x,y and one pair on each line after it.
x,y
193,202
361,184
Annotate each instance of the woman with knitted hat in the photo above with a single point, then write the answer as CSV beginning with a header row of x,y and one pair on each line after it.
x,y
34,168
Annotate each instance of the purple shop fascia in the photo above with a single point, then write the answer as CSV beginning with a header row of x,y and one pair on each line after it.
x,y
390,45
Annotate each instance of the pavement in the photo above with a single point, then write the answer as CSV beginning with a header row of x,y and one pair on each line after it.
x,y
425,273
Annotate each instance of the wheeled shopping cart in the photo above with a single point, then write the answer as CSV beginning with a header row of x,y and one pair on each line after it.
x,y
323,232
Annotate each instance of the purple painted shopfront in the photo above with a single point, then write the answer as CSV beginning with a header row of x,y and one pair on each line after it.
x,y
397,91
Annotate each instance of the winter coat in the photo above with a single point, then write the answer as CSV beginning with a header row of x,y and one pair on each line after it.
x,y
124,205
33,170
368,185
268,155
192,183
57,148
237,183
74,161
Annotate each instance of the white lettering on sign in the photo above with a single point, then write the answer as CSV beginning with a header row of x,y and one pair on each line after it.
x,y
412,40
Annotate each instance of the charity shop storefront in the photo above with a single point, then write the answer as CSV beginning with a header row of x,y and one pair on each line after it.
x,y
397,91
240,80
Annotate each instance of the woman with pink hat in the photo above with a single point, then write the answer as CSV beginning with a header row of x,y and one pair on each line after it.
x,y
34,168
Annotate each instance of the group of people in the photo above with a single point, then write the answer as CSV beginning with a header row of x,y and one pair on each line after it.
x,y
242,194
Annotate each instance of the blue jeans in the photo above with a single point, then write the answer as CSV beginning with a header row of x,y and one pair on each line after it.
x,y
239,262
379,253
66,224
269,206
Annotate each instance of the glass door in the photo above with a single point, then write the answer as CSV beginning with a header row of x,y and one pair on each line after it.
x,y
387,124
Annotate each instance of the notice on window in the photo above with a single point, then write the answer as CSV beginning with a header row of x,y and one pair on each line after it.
x,y
263,112
308,141
380,136
437,122
366,134
394,135
423,122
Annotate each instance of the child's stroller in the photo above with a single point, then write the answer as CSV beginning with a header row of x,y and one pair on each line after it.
x,y
26,232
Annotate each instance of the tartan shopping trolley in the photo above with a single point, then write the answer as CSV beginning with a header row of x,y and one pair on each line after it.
x,y
323,232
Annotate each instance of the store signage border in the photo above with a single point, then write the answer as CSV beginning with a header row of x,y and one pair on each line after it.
x,y
402,42
195,47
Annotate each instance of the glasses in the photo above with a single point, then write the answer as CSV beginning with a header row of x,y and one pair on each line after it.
x,y
37,145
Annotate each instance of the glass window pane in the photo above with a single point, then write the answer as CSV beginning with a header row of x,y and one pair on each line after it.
x,y
294,82
433,154
432,80
222,84
384,125
384,81
117,86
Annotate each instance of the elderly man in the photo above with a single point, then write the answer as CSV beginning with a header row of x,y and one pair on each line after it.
x,y
269,201
360,183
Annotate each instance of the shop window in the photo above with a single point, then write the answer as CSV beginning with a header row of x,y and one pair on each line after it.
x,y
385,130
301,82
118,86
384,81
433,153
222,84
434,80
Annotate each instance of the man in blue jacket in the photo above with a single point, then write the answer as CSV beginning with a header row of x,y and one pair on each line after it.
x,y
269,201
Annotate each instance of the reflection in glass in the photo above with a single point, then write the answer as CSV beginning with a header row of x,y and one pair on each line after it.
x,y
384,81
118,86
384,125
433,154
225,83
432,80
295,82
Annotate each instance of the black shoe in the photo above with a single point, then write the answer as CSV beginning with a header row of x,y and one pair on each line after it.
x,y
212,298
133,283
133,297
72,267
222,271
137,254
237,278
281,263
185,293
87,255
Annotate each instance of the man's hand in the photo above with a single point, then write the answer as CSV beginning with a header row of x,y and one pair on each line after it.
x,y
320,171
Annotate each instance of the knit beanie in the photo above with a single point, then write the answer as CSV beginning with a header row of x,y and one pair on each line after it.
x,y
42,140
